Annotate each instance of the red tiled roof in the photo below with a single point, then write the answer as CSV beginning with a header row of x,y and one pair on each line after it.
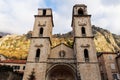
x,y
14,61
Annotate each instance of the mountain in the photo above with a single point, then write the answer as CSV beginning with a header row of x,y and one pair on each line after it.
x,y
3,34
105,40
14,46
17,46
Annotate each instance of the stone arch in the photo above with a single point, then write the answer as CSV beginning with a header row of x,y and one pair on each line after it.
x,y
80,11
61,72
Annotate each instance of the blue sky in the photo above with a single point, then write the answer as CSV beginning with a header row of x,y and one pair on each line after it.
x,y
17,16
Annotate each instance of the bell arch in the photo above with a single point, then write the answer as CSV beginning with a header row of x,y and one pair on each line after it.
x,y
80,12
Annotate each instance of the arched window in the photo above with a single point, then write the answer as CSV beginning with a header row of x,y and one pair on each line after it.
x,y
37,55
41,31
86,55
83,31
80,11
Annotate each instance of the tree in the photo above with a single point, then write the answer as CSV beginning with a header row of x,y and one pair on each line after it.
x,y
32,75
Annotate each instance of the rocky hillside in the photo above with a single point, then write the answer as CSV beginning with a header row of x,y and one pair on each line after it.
x,y
16,46
105,40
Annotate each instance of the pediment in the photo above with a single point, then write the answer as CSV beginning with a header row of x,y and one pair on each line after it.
x,y
61,51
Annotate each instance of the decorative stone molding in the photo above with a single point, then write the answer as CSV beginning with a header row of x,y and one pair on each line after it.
x,y
44,24
82,22
38,45
85,46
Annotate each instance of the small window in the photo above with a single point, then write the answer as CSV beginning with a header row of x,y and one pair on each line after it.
x,y
112,66
23,67
83,31
41,32
110,57
44,12
80,11
86,56
37,55
37,52
18,67
62,53
115,76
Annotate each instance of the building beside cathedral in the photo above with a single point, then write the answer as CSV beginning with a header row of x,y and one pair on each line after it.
x,y
118,62
62,62
109,63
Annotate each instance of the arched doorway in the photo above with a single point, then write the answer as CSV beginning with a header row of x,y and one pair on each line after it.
x,y
61,72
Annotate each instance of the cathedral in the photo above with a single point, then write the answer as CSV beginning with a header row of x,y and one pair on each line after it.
x,y
62,62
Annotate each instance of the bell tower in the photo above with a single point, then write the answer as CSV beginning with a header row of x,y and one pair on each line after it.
x,y
84,48
40,45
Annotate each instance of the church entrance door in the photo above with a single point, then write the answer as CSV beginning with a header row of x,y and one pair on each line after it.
x,y
61,72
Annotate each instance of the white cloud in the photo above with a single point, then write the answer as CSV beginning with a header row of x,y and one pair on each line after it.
x,y
16,16
109,19
62,22
110,2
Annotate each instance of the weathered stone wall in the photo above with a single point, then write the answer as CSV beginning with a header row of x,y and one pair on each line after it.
x,y
80,22
83,43
45,24
89,71
43,44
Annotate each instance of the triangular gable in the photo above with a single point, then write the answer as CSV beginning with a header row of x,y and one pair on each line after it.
x,y
55,52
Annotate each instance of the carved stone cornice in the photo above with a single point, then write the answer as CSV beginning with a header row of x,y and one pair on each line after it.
x,y
43,25
38,45
82,23
85,46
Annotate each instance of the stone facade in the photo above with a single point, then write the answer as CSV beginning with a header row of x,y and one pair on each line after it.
x,y
62,62
108,66
118,61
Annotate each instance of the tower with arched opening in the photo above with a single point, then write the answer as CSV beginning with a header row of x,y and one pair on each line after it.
x,y
84,47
